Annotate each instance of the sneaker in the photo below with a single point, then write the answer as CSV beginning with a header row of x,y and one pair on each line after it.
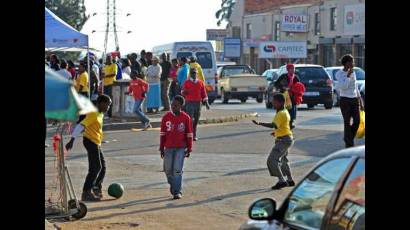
x,y
279,185
147,126
98,193
177,196
89,196
291,183
196,138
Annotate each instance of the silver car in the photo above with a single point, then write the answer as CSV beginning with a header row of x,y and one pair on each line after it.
x,y
331,196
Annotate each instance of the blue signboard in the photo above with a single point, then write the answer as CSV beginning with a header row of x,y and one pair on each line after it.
x,y
232,47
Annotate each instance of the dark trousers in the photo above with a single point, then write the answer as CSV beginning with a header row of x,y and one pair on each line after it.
x,y
96,165
350,110
108,92
292,112
165,93
193,109
174,90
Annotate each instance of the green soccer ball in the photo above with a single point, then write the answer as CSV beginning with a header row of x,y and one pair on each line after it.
x,y
116,190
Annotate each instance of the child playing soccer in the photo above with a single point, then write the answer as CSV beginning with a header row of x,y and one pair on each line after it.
x,y
175,144
277,162
92,126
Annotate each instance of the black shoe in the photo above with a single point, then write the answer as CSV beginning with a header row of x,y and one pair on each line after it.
x,y
89,196
177,196
98,193
291,183
279,185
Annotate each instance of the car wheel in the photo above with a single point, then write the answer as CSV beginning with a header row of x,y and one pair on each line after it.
x,y
310,106
269,105
328,105
224,97
243,100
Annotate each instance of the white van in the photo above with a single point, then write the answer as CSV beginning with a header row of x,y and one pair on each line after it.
x,y
203,51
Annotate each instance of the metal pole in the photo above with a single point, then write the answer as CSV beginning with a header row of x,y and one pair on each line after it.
x,y
89,73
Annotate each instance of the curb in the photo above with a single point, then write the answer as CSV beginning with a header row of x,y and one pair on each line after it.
x,y
157,124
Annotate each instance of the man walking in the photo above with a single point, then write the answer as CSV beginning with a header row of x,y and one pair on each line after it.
x,y
194,92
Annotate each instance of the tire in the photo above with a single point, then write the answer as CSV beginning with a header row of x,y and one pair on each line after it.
x,y
269,105
259,99
210,101
224,97
243,100
82,211
329,105
310,106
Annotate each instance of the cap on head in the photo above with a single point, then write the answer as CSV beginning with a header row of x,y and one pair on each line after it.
x,y
290,66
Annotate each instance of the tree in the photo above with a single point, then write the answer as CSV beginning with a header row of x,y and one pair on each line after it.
x,y
224,14
71,11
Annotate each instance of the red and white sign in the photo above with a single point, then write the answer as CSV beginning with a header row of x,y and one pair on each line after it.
x,y
294,23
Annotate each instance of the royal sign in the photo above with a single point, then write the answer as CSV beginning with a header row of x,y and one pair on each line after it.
x,y
274,49
294,23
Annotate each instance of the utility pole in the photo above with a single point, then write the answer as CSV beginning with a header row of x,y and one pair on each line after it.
x,y
111,25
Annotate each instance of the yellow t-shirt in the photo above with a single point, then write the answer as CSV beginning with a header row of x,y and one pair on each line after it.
x,y
93,124
282,119
110,69
82,80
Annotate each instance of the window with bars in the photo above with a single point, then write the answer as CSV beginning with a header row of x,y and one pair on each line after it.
x,y
317,24
333,19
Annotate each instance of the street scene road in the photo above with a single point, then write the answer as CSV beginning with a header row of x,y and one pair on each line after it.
x,y
225,173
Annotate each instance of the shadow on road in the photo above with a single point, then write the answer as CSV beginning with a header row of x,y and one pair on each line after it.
x,y
174,206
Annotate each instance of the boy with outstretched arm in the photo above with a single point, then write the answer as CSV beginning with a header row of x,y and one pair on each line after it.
x,y
277,162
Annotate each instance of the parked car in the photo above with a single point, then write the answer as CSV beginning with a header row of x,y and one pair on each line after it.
x,y
239,82
318,84
360,77
271,75
331,196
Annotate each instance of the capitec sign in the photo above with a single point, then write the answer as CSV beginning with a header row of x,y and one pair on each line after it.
x,y
294,23
282,50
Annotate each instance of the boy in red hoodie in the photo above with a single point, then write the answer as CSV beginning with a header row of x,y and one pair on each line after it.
x,y
138,88
175,144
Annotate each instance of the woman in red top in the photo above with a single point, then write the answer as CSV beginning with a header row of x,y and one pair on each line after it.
x,y
71,69
174,89
138,87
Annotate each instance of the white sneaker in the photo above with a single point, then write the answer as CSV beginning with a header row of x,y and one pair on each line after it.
x,y
147,126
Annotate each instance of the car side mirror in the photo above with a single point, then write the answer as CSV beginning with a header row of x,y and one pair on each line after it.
x,y
263,209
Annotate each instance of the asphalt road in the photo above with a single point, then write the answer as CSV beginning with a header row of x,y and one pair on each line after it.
x,y
226,171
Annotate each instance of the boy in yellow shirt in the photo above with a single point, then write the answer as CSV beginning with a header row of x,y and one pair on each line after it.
x,y
92,125
277,162
110,72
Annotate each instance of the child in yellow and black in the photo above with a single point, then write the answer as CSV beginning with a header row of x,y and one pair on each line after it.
x,y
92,126
277,162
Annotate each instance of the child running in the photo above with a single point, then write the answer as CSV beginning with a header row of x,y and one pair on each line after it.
x,y
92,126
139,88
175,144
277,162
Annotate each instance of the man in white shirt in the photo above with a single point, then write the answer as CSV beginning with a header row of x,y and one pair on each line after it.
x,y
350,101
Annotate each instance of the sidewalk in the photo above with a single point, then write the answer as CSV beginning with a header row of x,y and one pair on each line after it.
x,y
207,117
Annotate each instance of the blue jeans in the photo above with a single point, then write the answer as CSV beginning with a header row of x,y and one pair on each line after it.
x,y
173,168
139,112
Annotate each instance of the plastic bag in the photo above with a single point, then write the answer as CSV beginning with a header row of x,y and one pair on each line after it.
x,y
288,102
360,130
129,104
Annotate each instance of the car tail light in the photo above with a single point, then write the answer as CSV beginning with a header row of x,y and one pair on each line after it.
x,y
329,83
209,88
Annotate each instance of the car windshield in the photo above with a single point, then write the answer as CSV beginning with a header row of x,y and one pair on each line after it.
x,y
307,204
184,54
229,71
204,59
310,73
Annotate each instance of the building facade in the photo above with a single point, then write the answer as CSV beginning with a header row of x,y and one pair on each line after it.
x,y
330,28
